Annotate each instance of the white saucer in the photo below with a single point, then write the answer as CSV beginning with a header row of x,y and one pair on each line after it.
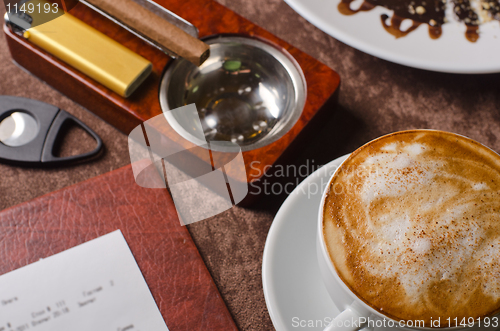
x,y
293,287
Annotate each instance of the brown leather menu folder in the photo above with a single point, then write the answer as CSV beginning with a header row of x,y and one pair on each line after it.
x,y
170,262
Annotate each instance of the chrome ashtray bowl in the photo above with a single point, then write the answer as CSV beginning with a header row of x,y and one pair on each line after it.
x,y
248,92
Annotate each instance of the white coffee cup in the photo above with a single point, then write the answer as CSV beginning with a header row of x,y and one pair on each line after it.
x,y
352,308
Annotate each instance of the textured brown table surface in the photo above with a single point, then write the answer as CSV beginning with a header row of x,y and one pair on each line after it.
x,y
376,97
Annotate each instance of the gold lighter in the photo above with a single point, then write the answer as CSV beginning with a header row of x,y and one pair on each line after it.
x,y
81,46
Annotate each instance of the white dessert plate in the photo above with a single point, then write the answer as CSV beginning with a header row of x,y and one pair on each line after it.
x,y
293,288
452,52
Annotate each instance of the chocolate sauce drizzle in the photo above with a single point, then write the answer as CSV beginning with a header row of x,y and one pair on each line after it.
x,y
430,12
395,27
435,31
471,33
345,7
464,12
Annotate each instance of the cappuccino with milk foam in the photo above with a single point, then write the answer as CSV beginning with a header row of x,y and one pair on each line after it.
x,y
411,222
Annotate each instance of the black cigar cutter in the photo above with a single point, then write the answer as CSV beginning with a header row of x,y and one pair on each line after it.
x,y
29,130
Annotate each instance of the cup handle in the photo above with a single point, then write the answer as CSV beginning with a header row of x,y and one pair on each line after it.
x,y
344,321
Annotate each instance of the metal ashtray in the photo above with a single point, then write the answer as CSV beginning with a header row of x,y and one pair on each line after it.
x,y
247,92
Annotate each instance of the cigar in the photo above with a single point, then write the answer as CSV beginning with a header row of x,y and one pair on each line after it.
x,y
167,36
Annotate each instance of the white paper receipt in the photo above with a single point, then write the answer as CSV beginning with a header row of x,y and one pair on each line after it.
x,y
96,286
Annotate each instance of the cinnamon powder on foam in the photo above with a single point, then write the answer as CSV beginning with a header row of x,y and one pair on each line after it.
x,y
416,233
